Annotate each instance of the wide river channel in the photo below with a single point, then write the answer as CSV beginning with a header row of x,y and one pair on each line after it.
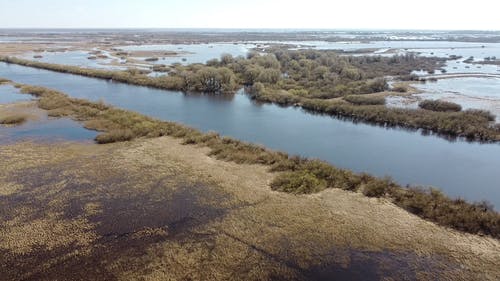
x,y
459,168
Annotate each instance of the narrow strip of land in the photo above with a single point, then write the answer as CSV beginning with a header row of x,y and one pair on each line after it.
x,y
461,75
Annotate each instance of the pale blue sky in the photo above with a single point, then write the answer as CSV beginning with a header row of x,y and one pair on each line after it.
x,y
391,14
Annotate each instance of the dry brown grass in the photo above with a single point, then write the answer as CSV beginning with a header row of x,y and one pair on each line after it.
x,y
263,235
49,232
4,81
365,100
439,105
17,113
9,49
16,119
304,176
115,136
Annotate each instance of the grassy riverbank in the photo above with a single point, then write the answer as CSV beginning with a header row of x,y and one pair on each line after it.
x,y
156,209
297,175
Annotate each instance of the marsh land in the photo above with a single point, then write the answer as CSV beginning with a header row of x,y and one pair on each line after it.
x,y
224,155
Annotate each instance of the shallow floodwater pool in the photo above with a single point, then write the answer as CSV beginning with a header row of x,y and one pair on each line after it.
x,y
76,58
43,129
49,130
194,53
459,168
469,92
9,94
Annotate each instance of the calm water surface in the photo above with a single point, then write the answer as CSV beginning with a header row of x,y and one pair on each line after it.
x,y
468,170
194,53
49,130
43,129
469,92
9,94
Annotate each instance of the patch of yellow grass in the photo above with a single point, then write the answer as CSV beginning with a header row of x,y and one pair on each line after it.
x,y
49,233
9,188
263,233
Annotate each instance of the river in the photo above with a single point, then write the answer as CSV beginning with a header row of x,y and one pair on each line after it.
x,y
459,168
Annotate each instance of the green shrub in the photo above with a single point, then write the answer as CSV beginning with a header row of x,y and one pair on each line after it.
x,y
365,100
160,68
438,105
377,187
378,85
400,89
301,182
115,136
433,205
481,114
334,177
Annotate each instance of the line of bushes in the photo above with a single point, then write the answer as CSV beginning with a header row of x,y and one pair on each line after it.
x,y
297,175
469,124
308,79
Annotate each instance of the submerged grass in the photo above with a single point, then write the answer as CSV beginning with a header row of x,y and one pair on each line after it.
x,y
299,175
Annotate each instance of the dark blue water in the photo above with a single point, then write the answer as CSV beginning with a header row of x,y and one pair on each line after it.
x,y
468,170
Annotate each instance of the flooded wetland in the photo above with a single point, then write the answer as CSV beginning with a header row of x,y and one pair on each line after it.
x,y
121,162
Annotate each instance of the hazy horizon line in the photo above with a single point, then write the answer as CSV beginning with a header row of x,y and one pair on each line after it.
x,y
249,28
